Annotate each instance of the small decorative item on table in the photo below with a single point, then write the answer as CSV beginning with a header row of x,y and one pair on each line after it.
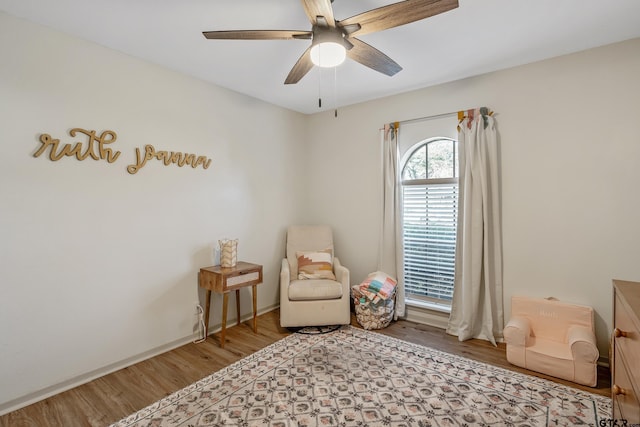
x,y
222,280
228,252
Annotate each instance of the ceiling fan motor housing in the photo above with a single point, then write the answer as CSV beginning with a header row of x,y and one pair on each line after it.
x,y
330,35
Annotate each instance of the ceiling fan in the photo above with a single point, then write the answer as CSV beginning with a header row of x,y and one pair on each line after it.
x,y
331,37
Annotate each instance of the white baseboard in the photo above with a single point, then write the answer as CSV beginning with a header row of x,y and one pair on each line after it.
x,y
58,388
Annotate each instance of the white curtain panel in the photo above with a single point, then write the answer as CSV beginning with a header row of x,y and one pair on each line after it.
x,y
477,308
390,247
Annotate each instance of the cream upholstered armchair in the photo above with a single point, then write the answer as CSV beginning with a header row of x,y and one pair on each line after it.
x,y
553,337
314,286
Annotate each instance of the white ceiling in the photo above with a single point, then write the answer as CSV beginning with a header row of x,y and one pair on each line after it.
x,y
478,37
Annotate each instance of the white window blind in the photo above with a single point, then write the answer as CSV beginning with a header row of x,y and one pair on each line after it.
x,y
429,237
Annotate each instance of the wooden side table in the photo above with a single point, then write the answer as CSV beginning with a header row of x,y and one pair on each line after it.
x,y
222,280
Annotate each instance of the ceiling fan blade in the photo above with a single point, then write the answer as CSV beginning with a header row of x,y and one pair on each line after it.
x,y
372,57
315,8
301,68
397,14
257,34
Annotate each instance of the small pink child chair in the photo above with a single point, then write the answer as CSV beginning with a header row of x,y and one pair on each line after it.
x,y
554,338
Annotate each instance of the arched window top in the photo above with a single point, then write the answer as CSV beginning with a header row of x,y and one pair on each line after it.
x,y
433,158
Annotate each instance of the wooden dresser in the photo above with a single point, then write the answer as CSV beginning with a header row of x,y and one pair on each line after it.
x,y
625,369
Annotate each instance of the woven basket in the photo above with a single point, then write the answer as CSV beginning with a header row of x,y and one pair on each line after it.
x,y
372,315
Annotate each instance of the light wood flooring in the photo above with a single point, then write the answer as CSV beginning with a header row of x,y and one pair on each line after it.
x,y
114,396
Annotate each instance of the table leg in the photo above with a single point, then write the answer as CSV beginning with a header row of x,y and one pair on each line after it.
x,y
255,308
225,303
207,306
238,305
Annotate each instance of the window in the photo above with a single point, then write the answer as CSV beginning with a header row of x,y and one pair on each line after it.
x,y
430,211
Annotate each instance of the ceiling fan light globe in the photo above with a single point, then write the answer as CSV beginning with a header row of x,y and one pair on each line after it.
x,y
328,54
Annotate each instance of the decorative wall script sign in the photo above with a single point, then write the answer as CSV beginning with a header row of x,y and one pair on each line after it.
x,y
167,158
80,150
95,146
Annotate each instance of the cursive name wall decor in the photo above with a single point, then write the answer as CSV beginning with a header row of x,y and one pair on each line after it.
x,y
95,147
80,150
167,158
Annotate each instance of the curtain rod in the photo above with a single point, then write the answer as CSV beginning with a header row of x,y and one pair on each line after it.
x,y
437,116
461,115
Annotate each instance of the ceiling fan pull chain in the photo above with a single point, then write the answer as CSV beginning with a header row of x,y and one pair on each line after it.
x,y
319,87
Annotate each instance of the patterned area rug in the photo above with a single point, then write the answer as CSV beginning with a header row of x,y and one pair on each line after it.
x,y
352,377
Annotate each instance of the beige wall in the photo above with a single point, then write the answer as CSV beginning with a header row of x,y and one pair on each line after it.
x,y
98,266
570,172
